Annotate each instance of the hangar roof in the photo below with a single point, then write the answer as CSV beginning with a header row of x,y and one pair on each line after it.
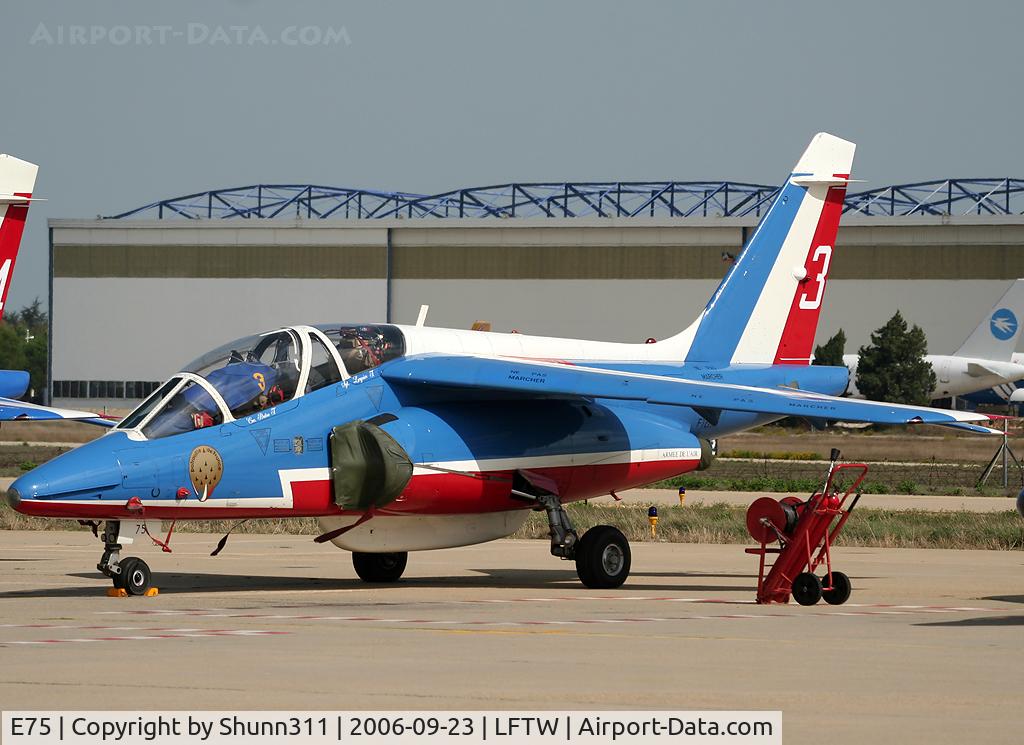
x,y
664,199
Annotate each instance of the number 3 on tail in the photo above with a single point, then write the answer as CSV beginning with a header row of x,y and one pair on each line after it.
x,y
808,303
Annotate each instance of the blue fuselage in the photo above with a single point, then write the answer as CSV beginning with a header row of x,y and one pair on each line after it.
x,y
256,452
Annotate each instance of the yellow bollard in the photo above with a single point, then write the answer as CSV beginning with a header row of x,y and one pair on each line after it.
x,y
682,496
652,518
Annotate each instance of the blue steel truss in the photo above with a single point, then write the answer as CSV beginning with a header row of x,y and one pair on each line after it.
x,y
276,200
952,197
591,199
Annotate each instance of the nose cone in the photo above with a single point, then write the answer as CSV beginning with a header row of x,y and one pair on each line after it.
x,y
13,498
83,472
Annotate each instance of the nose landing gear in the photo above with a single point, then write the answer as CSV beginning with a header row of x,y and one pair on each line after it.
x,y
130,574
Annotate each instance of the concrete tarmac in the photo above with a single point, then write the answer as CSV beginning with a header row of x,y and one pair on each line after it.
x,y
927,650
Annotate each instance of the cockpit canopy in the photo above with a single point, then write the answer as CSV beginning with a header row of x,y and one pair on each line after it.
x,y
261,371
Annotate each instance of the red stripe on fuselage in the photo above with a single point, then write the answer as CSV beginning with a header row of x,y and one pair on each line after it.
x,y
797,340
426,494
490,491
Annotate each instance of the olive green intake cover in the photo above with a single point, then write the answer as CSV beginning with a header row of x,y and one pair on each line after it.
x,y
368,467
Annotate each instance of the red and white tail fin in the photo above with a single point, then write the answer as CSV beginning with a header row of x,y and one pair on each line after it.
x,y
827,163
17,179
766,309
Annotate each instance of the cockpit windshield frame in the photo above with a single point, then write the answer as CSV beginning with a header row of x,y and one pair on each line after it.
x,y
262,381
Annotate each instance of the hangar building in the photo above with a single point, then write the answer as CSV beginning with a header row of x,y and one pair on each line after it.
x,y
136,296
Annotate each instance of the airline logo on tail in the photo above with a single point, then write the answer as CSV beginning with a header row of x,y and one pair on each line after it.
x,y
17,179
996,336
1003,324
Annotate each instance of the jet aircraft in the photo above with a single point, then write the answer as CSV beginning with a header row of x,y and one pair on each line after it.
x,y
407,438
985,360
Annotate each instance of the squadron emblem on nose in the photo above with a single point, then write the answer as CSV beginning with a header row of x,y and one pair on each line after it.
x,y
205,469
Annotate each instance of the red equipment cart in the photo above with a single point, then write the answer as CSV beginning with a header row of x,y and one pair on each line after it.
x,y
805,531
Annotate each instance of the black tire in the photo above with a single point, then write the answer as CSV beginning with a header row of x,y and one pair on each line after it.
x,y
603,558
379,567
806,588
118,579
582,549
841,589
135,576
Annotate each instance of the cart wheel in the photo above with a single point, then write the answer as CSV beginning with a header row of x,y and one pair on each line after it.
x,y
841,589
807,588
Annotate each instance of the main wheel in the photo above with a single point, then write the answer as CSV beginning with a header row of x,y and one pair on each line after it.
x,y
841,589
603,558
135,576
807,588
379,567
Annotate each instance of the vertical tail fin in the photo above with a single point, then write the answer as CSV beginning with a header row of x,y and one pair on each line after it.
x,y
766,309
17,179
997,334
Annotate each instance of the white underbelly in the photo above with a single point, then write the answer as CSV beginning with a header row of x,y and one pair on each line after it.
x,y
385,533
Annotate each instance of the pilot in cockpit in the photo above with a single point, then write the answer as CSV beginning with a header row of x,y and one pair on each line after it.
x,y
356,352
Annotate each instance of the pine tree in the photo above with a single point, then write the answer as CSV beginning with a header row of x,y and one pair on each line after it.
x,y
892,367
831,352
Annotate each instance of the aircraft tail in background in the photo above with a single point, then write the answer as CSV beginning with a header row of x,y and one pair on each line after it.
x,y
997,335
17,180
766,309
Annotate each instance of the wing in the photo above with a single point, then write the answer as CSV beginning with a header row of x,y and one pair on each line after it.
x,y
19,411
544,378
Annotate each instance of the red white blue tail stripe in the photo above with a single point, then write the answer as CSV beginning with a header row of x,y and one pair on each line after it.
x,y
766,309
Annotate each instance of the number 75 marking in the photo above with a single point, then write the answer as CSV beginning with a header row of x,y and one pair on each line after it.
x,y
807,303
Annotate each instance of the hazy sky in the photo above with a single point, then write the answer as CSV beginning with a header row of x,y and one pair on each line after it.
x,y
163,99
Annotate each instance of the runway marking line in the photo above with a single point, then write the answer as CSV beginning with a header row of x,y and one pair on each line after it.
x,y
863,610
142,633
566,599
179,634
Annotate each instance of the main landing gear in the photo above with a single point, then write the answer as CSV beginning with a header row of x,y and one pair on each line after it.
x,y
602,553
380,568
130,574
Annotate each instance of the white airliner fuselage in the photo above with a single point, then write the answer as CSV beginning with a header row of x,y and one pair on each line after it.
x,y
954,376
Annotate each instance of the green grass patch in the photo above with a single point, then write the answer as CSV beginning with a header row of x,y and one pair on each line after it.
x,y
722,523
741,483
715,523
757,455
804,485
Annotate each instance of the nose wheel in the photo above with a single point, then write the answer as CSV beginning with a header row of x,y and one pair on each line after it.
x,y
135,576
